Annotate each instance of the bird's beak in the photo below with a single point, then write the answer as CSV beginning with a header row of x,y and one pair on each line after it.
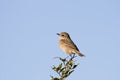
x,y
58,34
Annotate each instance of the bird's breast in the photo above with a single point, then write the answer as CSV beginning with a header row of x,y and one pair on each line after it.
x,y
65,47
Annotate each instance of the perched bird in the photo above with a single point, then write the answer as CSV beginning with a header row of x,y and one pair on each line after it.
x,y
67,45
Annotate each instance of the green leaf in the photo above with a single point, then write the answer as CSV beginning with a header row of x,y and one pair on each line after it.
x,y
59,67
63,60
74,66
55,79
71,63
63,72
70,72
61,78
62,69
54,68
66,72
65,75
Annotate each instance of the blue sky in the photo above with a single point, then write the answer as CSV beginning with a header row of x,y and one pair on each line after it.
x,y
28,40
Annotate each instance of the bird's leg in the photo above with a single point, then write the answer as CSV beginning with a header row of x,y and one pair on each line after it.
x,y
70,55
73,55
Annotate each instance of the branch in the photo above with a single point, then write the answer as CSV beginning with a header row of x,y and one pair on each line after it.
x,y
65,68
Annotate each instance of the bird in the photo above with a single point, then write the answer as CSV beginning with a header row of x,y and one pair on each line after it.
x,y
67,45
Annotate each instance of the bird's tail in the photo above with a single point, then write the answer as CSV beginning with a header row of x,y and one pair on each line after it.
x,y
80,54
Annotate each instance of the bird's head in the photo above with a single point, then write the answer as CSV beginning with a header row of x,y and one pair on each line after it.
x,y
64,35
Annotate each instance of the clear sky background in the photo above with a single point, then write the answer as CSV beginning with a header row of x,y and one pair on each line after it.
x,y
28,40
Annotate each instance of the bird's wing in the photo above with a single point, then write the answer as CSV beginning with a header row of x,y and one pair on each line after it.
x,y
70,44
